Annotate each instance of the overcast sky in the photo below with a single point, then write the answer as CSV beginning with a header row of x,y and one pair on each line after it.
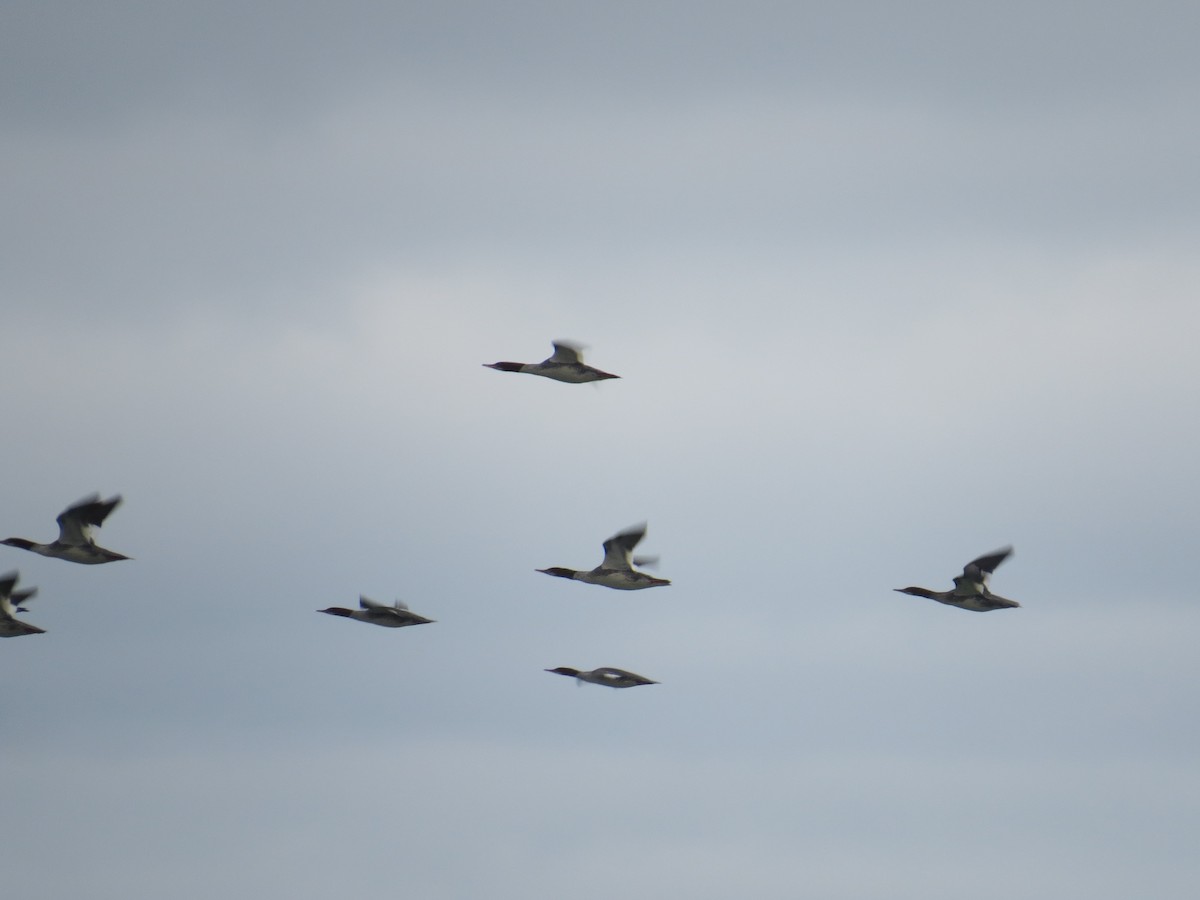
x,y
889,286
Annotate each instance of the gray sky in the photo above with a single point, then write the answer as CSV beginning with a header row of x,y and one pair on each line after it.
x,y
889,286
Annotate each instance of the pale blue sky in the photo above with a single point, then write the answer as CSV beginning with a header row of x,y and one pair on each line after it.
x,y
889,287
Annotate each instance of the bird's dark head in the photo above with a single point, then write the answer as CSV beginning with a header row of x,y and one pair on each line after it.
x,y
558,571
916,592
564,670
337,611
18,542
504,366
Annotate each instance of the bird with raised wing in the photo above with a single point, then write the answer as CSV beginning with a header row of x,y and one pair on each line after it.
x,y
75,541
971,587
397,615
617,570
10,605
565,364
607,676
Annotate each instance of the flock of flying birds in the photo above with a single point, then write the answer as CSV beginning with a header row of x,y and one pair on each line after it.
x,y
617,571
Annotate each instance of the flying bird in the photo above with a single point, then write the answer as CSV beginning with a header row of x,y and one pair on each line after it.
x,y
617,570
395,616
607,676
971,587
10,605
566,364
75,542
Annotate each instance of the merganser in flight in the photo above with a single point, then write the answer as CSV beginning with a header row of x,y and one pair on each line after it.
x,y
566,364
607,676
616,571
970,588
75,542
10,604
395,616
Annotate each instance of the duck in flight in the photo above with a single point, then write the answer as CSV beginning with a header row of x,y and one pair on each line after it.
x,y
10,605
617,570
565,364
75,542
971,587
395,616
607,676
